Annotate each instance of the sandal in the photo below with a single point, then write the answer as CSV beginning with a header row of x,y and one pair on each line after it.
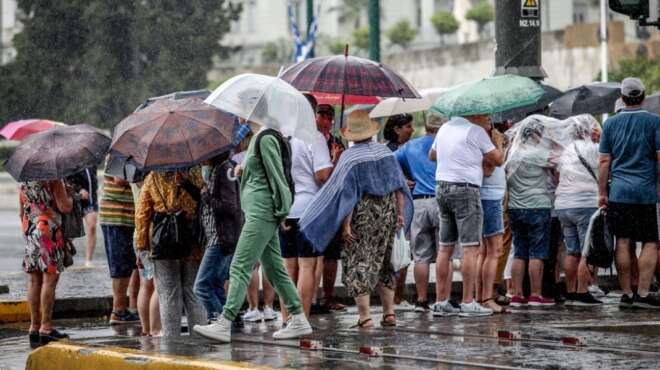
x,y
494,299
384,322
361,324
503,300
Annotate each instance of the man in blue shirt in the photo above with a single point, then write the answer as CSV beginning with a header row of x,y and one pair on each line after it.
x,y
629,154
413,157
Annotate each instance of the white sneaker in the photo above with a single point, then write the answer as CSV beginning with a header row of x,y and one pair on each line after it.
x,y
219,330
253,315
404,306
474,309
269,314
295,327
444,309
596,291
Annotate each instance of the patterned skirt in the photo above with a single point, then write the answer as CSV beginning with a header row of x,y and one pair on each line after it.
x,y
44,248
366,261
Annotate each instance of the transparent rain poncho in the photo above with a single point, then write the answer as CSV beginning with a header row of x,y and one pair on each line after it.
x,y
268,101
544,142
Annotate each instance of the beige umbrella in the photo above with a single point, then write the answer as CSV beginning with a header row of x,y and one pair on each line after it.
x,y
393,106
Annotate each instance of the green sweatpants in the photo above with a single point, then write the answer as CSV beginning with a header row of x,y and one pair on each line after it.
x,y
259,241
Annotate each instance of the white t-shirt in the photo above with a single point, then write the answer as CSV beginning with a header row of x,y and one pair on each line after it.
x,y
577,188
307,160
460,147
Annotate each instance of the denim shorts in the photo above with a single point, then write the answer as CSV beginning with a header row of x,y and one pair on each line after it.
x,y
118,242
531,233
493,217
574,224
424,231
461,216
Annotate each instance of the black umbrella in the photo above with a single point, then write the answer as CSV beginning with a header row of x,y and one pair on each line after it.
x,y
517,114
652,103
594,98
57,153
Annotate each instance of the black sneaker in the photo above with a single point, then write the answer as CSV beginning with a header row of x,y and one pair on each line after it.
x,y
54,335
585,299
421,306
570,299
626,301
650,302
318,309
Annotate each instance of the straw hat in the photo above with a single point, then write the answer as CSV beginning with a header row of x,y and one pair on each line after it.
x,y
359,126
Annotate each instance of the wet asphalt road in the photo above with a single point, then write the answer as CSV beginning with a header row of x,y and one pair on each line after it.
x,y
615,339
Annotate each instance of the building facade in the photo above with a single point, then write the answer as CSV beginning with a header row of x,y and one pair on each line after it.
x,y
9,26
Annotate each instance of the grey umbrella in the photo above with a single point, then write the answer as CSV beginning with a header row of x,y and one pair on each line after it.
x,y
57,153
517,114
652,103
593,98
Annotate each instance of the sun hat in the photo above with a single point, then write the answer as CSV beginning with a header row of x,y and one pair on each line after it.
x,y
359,126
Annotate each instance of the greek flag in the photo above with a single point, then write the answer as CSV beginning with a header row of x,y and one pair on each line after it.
x,y
303,50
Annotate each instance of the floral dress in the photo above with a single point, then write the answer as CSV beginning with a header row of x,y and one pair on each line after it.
x,y
44,249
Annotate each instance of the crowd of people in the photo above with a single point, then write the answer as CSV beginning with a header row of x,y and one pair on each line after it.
x,y
507,200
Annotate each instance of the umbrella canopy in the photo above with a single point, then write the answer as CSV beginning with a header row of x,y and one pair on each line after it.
x,y
348,75
174,134
392,106
268,101
177,95
517,114
488,96
57,153
594,98
19,130
652,103
125,168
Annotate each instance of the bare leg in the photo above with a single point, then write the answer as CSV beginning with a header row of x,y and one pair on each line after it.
x,y
387,299
481,258
647,261
329,278
269,292
134,290
35,282
517,275
622,262
583,277
90,230
571,263
400,287
154,314
469,272
443,273
291,265
143,302
253,290
363,309
535,276
421,273
48,301
306,282
119,288
489,270
318,275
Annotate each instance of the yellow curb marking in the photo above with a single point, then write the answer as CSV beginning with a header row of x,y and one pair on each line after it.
x,y
72,356
14,311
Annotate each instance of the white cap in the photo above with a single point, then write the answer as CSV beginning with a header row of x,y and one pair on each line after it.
x,y
632,87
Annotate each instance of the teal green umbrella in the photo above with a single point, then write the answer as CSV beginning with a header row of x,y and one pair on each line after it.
x,y
488,96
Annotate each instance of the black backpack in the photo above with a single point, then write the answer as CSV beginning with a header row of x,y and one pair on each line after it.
x,y
285,149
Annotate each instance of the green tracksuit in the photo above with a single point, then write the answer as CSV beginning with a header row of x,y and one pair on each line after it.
x,y
264,210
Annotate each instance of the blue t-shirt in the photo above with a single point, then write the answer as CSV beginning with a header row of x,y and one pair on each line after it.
x,y
494,186
414,158
632,138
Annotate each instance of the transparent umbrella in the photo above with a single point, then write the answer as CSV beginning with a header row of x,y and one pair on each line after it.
x,y
268,101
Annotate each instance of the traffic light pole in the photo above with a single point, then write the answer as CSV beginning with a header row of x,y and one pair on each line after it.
x,y
374,30
603,42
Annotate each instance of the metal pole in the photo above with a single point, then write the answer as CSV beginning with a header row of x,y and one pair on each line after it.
x,y
374,30
603,41
310,16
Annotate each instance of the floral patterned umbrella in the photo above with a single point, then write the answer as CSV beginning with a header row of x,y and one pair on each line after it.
x,y
488,96
173,134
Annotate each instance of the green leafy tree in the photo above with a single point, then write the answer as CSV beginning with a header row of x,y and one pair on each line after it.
x,y
270,52
648,70
350,11
336,47
482,13
402,33
361,38
93,61
444,23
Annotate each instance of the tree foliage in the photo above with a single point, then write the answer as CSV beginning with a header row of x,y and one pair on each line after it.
x,y
94,61
482,13
648,70
361,38
444,23
402,33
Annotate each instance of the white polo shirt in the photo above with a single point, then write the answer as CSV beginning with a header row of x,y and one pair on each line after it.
x,y
307,160
460,147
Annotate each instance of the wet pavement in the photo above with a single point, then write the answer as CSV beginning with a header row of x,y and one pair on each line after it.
x,y
613,339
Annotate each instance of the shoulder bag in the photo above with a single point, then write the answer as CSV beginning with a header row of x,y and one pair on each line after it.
x,y
171,237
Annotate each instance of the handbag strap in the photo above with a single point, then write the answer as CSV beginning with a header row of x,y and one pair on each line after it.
x,y
584,162
163,198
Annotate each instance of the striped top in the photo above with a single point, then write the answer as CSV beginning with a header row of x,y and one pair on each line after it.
x,y
116,205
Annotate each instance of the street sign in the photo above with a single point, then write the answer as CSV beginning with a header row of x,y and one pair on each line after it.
x,y
529,9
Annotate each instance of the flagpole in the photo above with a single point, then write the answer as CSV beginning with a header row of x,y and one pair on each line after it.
x,y
603,45
310,19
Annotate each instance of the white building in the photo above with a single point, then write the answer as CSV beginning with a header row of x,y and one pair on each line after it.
x,y
9,26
